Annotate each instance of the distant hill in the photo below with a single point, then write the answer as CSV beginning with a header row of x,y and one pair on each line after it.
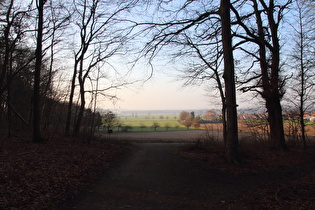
x,y
157,112
125,112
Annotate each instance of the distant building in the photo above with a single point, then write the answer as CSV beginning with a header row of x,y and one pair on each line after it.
x,y
264,116
253,116
306,117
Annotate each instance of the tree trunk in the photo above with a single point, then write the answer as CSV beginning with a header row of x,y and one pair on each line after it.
x,y
231,146
78,123
223,110
275,110
270,77
93,127
224,124
275,122
303,129
303,76
4,67
302,93
70,103
38,64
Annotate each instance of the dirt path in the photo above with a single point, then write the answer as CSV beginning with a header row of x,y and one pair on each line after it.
x,y
171,136
155,176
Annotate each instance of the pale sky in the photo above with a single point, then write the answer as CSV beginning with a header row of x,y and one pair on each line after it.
x,y
162,93
165,94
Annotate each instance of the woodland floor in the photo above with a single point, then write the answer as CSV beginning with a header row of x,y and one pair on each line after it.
x,y
41,176
153,175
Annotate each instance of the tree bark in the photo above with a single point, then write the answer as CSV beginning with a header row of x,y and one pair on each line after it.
x,y
273,96
4,68
38,64
275,122
231,147
70,103
271,83
82,106
303,76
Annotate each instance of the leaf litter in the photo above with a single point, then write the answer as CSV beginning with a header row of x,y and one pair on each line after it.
x,y
280,179
36,176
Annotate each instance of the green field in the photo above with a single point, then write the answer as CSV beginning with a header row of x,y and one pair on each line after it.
x,y
144,123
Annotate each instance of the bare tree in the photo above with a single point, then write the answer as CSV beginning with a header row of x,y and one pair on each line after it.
x,y
185,23
99,90
38,66
229,78
13,28
155,125
183,115
210,69
57,19
100,39
303,57
261,27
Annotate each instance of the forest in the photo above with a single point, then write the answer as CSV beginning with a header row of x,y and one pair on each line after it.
x,y
60,59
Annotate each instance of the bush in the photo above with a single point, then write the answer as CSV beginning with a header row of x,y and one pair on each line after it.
x,y
126,128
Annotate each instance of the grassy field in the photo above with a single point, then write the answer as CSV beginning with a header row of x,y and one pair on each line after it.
x,y
150,122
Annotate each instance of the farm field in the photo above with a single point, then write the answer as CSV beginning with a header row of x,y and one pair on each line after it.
x,y
151,122
213,130
245,128
164,122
